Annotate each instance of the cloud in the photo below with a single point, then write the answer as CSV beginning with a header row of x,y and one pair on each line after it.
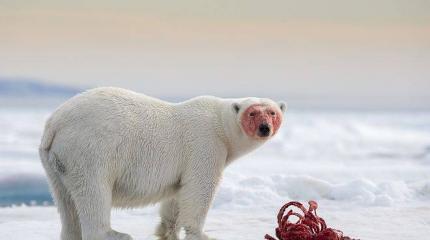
x,y
333,50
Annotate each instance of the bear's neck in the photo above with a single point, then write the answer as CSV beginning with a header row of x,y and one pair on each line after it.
x,y
237,143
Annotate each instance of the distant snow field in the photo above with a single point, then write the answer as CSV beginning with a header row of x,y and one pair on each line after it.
x,y
369,172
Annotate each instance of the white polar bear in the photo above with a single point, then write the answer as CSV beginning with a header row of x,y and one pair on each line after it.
x,y
113,147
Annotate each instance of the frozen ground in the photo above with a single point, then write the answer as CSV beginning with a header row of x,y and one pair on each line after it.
x,y
369,171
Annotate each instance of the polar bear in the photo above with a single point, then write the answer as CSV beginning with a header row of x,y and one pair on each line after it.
x,y
111,147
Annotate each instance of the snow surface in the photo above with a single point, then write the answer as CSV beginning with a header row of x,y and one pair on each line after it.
x,y
369,172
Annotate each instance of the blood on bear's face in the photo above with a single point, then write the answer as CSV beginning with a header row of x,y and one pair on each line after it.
x,y
261,121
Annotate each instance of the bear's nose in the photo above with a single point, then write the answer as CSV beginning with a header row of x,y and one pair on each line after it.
x,y
264,130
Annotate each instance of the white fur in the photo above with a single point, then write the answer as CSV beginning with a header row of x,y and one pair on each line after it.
x,y
113,147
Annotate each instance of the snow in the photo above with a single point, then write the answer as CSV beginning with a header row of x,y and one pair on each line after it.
x,y
369,172
376,222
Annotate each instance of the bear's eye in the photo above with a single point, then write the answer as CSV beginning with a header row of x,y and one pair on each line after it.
x,y
272,113
252,114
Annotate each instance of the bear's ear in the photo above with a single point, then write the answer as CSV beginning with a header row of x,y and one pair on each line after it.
x,y
235,107
282,106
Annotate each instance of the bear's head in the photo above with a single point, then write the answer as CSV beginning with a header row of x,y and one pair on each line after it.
x,y
259,119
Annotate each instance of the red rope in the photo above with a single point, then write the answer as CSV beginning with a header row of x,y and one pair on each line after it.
x,y
308,226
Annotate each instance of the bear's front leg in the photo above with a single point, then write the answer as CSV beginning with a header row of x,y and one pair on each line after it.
x,y
194,200
198,185
168,229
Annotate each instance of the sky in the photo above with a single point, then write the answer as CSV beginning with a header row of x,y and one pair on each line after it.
x,y
371,54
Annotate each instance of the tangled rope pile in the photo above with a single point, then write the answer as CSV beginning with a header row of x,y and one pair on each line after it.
x,y
308,227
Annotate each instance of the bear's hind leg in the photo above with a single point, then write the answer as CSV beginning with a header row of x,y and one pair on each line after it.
x,y
168,228
70,226
93,198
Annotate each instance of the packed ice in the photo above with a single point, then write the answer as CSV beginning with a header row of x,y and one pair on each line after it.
x,y
365,168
